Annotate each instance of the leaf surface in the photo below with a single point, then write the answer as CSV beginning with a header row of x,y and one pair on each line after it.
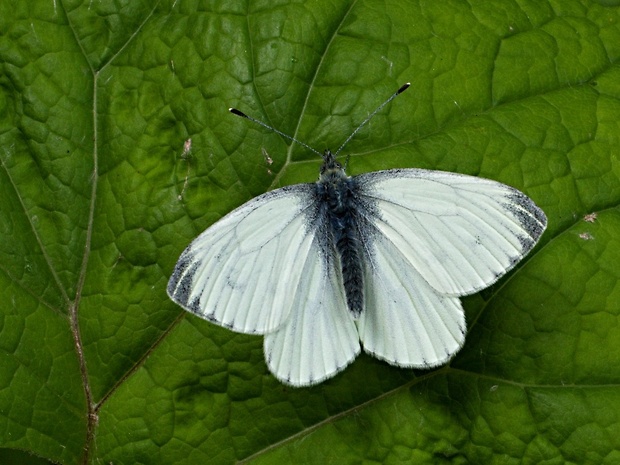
x,y
116,149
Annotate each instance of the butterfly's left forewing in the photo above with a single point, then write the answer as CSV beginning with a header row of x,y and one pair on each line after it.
x,y
240,273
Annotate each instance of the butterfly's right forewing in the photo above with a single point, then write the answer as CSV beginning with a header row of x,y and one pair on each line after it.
x,y
461,233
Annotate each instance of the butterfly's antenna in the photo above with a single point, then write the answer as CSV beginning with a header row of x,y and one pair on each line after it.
x,y
402,89
234,111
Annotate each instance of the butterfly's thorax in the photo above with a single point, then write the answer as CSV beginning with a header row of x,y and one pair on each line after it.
x,y
338,193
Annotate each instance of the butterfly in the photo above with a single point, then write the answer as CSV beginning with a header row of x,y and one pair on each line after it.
x,y
375,261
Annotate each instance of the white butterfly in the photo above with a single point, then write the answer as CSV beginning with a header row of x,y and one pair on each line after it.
x,y
380,258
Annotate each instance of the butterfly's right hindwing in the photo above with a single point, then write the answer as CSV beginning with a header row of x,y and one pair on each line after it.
x,y
406,322
241,272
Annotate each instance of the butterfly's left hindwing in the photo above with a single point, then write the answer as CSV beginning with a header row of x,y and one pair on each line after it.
x,y
319,338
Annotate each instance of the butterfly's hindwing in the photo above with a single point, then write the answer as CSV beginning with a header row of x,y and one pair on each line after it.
x,y
319,338
407,323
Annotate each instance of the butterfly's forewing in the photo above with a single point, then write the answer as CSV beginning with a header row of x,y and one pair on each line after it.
x,y
241,273
319,339
460,233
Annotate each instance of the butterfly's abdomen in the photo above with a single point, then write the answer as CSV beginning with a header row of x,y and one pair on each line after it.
x,y
338,194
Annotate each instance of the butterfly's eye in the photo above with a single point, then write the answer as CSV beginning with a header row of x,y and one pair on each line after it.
x,y
330,167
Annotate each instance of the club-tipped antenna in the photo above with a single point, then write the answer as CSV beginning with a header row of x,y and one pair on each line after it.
x,y
234,111
402,88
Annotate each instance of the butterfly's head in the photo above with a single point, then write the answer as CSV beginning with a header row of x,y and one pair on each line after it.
x,y
330,165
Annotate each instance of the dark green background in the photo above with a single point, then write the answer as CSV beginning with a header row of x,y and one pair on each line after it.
x,y
98,199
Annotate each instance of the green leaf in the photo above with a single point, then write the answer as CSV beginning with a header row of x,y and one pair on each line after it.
x,y
100,192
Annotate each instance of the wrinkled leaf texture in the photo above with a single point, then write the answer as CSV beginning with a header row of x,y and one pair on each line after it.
x,y
100,192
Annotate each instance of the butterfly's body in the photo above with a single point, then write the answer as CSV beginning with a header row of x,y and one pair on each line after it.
x,y
337,203
377,260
